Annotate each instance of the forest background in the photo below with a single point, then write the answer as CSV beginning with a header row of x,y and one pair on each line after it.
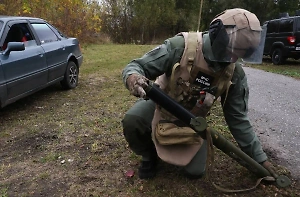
x,y
137,21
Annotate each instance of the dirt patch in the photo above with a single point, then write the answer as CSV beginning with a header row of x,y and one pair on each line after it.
x,y
70,143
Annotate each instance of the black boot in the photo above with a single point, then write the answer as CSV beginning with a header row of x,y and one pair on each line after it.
x,y
147,169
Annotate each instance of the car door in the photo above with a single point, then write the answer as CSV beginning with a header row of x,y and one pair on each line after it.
x,y
54,48
2,86
24,71
297,33
2,80
285,32
272,29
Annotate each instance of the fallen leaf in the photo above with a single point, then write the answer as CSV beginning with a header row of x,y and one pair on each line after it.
x,y
130,173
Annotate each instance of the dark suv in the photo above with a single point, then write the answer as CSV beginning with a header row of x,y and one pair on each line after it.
x,y
283,39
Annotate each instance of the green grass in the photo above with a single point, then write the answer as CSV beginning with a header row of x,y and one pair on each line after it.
x,y
83,127
3,192
291,68
110,58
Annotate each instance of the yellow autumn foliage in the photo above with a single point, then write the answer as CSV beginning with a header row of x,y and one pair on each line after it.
x,y
76,18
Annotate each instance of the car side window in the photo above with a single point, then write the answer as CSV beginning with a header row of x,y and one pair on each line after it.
x,y
272,27
44,33
57,31
286,25
297,21
19,33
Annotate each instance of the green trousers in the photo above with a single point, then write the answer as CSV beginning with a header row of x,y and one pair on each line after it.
x,y
137,132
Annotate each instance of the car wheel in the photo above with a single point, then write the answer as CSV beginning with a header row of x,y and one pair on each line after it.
x,y
277,57
70,80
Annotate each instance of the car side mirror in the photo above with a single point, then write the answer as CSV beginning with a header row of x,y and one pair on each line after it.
x,y
14,46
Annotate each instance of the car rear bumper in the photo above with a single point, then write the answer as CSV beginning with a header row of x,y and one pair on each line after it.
x,y
292,51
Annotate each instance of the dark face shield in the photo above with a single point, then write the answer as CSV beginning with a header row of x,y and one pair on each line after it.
x,y
227,44
218,51
215,43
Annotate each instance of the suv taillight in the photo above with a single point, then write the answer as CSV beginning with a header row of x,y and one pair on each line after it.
x,y
291,39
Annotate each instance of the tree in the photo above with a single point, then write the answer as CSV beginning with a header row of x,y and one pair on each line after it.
x,y
152,16
117,19
64,14
137,21
188,12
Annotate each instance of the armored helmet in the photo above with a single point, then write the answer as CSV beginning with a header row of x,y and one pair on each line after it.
x,y
234,33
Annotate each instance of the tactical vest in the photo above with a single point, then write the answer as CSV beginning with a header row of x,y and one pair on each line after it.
x,y
176,143
192,75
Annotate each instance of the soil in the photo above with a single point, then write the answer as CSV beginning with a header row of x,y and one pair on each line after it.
x,y
70,143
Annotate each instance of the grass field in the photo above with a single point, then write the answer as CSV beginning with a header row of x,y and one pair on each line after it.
x,y
70,143
291,68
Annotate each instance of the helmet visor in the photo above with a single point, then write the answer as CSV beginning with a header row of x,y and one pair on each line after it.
x,y
231,44
255,55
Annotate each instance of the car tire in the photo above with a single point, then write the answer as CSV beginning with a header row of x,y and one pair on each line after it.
x,y
70,80
277,56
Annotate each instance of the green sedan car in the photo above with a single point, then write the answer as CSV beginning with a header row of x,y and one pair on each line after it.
x,y
34,55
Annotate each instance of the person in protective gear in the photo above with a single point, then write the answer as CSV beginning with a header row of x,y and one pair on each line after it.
x,y
195,69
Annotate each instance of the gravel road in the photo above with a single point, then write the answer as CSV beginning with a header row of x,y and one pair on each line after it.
x,y
274,110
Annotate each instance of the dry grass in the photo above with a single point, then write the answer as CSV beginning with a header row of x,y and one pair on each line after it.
x,y
70,143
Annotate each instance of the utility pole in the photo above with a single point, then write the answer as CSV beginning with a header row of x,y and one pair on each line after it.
x,y
200,11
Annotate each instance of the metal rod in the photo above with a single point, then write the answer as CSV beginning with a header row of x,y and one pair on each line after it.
x,y
162,99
